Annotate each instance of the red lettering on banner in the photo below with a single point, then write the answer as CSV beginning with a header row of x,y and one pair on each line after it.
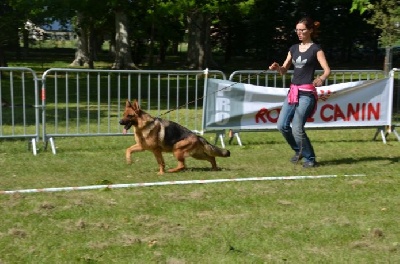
x,y
353,112
356,112
339,113
324,117
260,115
374,111
264,115
363,111
329,113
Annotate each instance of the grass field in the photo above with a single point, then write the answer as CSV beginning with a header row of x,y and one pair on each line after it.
x,y
343,219
331,220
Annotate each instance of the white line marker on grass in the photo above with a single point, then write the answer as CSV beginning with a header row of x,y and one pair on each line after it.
x,y
148,184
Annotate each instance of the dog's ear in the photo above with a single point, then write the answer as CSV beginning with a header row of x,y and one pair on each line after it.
x,y
128,103
136,107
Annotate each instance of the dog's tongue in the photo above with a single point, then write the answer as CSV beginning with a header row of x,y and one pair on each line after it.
x,y
125,131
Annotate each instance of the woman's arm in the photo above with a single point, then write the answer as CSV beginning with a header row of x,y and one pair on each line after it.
x,y
319,81
284,68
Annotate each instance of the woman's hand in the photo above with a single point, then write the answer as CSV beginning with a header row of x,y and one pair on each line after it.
x,y
274,66
318,82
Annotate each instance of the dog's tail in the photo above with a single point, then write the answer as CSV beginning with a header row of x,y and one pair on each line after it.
x,y
213,150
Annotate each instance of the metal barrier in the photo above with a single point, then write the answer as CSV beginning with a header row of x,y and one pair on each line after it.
x,y
82,102
273,79
19,111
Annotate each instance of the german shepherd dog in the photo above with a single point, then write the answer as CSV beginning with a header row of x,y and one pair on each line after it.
x,y
160,135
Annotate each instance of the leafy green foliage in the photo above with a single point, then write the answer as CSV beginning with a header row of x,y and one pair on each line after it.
x,y
385,16
360,5
256,29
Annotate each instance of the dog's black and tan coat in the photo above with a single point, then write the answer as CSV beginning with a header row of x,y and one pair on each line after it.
x,y
160,135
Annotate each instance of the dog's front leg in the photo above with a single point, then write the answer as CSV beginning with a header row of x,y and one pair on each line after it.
x,y
130,150
160,160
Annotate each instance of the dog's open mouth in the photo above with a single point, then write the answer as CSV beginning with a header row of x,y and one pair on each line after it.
x,y
127,125
126,128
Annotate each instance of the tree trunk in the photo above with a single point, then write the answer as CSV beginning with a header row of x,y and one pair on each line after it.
x,y
25,39
195,50
3,60
123,56
82,47
92,45
228,44
151,48
163,50
199,46
175,48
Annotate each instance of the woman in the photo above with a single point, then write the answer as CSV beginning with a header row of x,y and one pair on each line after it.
x,y
302,97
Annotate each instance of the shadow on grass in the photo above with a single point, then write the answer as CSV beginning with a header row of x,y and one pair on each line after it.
x,y
200,169
358,160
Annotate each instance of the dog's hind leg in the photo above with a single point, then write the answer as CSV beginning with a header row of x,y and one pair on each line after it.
x,y
180,156
213,163
160,160
204,156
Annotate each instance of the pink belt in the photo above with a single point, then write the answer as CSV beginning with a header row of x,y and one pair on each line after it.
x,y
293,95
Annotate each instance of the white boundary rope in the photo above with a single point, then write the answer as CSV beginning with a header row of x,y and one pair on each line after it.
x,y
147,184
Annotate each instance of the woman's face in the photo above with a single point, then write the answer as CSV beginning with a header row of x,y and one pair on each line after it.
x,y
303,32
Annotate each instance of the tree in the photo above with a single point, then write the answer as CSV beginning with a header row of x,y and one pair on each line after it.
x,y
385,16
341,42
198,18
164,27
230,28
91,19
199,50
271,26
82,45
6,28
13,17
123,54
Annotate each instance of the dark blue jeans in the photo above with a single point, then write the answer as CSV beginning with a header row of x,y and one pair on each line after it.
x,y
296,115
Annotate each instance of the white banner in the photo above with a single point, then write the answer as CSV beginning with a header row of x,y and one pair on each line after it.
x,y
230,105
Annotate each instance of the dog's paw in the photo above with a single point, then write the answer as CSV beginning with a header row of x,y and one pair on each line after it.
x,y
128,162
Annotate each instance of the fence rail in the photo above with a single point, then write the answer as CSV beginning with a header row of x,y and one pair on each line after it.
x,y
273,79
83,102
20,109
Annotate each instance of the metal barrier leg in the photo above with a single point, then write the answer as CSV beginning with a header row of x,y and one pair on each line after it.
x,y
220,135
383,136
381,130
52,145
233,134
33,143
238,139
396,134
376,134
393,130
221,138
